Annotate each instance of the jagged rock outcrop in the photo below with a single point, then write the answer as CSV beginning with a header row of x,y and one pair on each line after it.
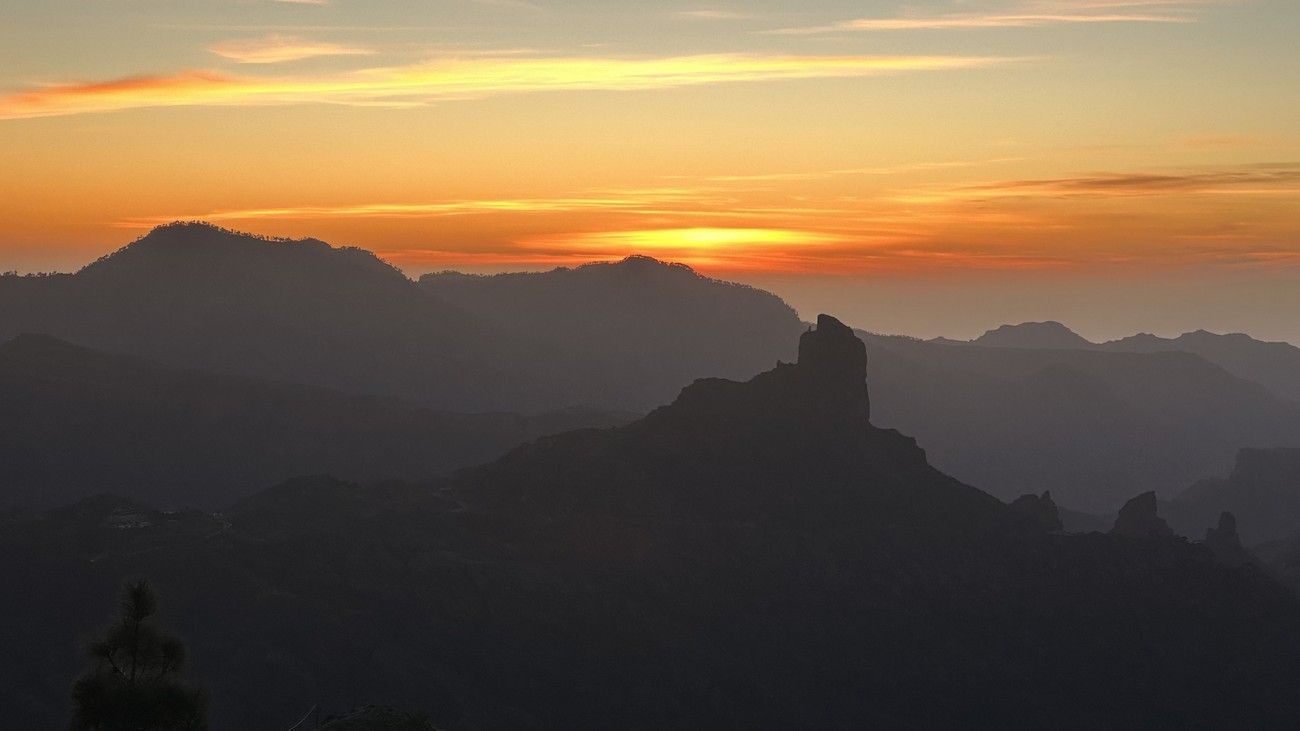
x,y
1040,509
1226,543
833,358
1139,518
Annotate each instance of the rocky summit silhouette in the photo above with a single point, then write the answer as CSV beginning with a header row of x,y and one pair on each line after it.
x,y
1040,509
755,554
725,450
1139,519
1226,544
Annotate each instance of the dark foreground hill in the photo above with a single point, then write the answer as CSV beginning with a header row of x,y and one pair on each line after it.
x,y
1094,427
755,555
75,422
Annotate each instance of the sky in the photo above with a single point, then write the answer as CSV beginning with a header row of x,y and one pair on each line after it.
x,y
934,167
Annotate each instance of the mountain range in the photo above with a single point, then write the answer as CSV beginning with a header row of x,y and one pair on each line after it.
x,y
1022,409
753,554
1092,426
1276,366
196,296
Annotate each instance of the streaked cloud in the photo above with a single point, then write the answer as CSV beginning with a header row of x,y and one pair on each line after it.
x,y
711,14
277,48
459,79
1024,15
1263,180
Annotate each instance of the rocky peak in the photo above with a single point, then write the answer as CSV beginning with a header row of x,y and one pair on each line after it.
x,y
833,364
1225,543
1041,509
1139,519
832,351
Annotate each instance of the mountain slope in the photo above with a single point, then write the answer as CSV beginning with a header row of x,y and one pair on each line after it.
x,y
643,327
74,422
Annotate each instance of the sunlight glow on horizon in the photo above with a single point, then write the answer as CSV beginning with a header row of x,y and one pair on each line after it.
x,y
1038,140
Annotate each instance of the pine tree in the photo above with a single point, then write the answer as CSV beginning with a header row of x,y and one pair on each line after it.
x,y
134,683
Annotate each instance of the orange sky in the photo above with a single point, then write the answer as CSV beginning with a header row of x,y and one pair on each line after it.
x,y
1093,140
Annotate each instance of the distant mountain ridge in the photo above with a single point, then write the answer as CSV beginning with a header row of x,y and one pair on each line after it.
x,y
1033,335
1091,425
1273,365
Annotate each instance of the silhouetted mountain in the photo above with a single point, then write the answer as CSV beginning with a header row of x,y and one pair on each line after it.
x,y
1263,490
642,327
1044,335
1040,509
1274,365
198,296
1094,427
74,422
1225,543
753,555
1139,518
615,336
685,461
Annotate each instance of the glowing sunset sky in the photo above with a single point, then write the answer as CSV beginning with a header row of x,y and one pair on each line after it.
x,y
931,167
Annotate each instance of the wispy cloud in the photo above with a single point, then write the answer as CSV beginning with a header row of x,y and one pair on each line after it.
x,y
459,79
631,200
1016,224
277,48
1024,15
1255,180
711,14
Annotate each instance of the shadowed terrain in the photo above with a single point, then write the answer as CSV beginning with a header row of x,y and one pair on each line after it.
x,y
754,554
75,422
